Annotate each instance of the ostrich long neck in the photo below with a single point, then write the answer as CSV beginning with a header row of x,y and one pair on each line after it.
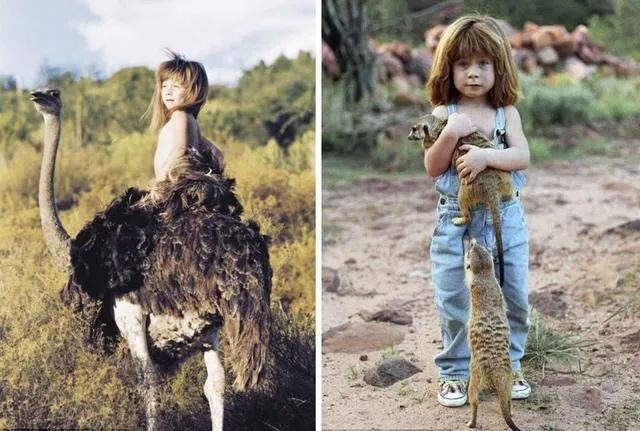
x,y
56,237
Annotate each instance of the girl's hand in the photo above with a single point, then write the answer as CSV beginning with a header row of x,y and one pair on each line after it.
x,y
472,163
460,125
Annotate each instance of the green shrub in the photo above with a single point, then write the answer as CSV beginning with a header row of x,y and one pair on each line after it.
x,y
619,30
615,98
337,119
394,152
539,149
544,104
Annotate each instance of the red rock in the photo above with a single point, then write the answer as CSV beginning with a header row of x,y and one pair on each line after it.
x,y
389,66
329,62
432,37
566,46
541,39
398,49
516,40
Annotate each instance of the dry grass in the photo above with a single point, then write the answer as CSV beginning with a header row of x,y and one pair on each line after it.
x,y
51,379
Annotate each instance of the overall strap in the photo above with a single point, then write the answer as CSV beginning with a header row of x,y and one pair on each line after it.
x,y
501,128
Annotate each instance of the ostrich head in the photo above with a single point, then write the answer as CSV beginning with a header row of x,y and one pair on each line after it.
x,y
47,101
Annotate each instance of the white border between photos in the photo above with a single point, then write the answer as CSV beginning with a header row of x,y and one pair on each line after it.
x,y
318,202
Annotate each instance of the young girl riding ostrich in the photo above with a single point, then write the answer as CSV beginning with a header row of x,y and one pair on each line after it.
x,y
169,268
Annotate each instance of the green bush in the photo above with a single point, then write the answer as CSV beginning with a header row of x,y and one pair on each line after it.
x,y
619,30
615,98
395,153
338,121
539,149
562,103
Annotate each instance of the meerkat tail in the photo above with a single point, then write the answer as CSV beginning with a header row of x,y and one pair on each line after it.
x,y
503,389
506,414
497,228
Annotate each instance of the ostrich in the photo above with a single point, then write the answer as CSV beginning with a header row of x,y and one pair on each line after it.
x,y
167,268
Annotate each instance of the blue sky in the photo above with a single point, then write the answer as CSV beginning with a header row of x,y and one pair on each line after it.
x,y
227,36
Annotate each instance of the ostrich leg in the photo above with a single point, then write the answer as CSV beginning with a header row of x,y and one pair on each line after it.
x,y
132,322
214,385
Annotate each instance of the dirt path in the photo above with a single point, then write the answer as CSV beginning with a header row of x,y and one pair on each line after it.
x,y
584,225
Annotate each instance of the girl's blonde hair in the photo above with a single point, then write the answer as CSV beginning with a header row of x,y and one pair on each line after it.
x,y
472,35
192,76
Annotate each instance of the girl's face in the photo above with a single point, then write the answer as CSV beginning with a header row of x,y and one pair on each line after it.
x,y
172,93
474,76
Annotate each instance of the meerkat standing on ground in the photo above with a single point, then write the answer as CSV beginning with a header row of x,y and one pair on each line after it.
x,y
490,187
489,334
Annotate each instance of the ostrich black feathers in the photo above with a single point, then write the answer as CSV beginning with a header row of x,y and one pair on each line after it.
x,y
180,247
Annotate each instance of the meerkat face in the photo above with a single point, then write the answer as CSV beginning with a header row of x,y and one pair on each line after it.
x,y
427,130
477,259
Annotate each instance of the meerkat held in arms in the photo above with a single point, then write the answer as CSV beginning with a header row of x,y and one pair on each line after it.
x,y
490,187
489,334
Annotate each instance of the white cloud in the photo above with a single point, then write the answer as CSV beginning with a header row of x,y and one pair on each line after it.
x,y
89,35
227,36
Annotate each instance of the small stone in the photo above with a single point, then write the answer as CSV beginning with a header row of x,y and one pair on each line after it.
x,y
330,279
390,371
364,357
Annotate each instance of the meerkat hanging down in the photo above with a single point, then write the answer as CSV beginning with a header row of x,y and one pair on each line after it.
x,y
490,187
489,334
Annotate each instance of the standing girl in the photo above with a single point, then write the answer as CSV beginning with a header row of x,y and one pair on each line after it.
x,y
180,92
473,84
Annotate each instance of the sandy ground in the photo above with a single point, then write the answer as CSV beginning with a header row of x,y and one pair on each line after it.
x,y
584,265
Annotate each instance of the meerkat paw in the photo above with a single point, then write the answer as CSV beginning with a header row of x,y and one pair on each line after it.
x,y
459,220
471,424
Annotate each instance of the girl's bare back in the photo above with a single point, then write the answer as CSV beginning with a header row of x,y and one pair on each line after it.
x,y
176,137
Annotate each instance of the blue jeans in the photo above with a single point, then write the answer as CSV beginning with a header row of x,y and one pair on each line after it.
x,y
451,292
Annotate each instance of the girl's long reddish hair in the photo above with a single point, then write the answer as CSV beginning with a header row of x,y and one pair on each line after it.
x,y
473,35
193,78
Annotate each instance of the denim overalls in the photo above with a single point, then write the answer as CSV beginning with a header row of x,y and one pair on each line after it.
x,y
447,268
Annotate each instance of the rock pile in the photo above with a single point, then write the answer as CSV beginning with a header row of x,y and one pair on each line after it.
x,y
549,48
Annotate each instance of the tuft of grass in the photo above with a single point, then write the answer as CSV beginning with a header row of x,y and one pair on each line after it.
x,y
630,283
354,372
331,232
389,352
543,344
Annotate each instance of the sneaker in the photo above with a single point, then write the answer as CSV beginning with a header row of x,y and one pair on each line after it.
x,y
453,393
520,389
